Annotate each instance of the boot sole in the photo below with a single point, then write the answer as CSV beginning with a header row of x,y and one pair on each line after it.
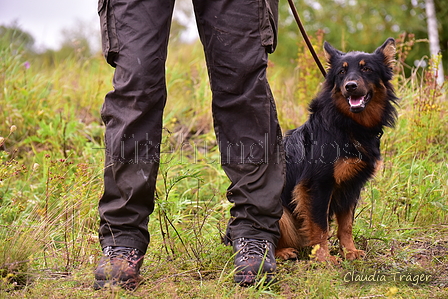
x,y
129,285
246,280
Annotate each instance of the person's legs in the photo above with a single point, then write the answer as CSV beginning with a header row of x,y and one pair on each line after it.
x,y
237,37
135,38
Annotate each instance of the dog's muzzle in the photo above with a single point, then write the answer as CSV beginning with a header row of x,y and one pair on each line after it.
x,y
355,97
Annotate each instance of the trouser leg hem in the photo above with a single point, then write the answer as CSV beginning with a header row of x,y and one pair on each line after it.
x,y
125,242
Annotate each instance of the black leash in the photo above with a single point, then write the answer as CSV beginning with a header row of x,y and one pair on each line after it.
x,y
305,37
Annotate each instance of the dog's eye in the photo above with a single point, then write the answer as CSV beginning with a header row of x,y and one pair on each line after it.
x,y
342,72
366,69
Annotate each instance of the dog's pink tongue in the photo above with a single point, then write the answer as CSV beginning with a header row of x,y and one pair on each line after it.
x,y
354,102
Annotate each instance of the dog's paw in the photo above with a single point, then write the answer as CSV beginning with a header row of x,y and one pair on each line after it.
x,y
322,254
286,253
353,254
333,260
329,259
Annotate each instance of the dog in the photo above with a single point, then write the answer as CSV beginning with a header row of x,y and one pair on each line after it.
x,y
331,157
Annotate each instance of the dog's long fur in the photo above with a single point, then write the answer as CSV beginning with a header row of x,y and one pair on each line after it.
x,y
332,156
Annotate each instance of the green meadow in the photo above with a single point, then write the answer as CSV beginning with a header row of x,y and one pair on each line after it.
x,y
51,164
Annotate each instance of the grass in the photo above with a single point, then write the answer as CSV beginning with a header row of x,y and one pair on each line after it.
x,y
51,161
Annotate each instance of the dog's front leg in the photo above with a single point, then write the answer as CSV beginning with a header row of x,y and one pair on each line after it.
x,y
314,211
345,235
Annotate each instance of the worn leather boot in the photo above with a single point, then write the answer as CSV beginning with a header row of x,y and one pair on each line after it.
x,y
120,266
253,259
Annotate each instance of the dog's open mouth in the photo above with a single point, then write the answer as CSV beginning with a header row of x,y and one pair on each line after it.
x,y
358,103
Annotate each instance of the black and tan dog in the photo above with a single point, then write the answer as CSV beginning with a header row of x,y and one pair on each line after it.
x,y
332,156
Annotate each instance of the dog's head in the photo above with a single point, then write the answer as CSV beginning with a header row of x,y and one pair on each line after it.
x,y
359,79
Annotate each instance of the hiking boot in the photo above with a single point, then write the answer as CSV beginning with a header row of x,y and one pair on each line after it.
x,y
253,259
119,266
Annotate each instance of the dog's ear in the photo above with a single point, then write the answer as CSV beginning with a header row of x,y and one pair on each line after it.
x,y
330,53
388,51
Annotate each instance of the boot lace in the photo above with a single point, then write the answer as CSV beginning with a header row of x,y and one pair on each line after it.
x,y
254,248
132,255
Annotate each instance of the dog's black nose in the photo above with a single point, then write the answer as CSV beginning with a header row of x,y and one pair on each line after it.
x,y
351,86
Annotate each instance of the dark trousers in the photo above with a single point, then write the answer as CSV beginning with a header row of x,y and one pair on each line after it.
x,y
237,36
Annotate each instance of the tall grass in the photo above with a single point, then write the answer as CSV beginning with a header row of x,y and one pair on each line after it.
x,y
51,162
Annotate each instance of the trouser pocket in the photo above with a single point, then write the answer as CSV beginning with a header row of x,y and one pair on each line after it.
x,y
109,37
269,24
